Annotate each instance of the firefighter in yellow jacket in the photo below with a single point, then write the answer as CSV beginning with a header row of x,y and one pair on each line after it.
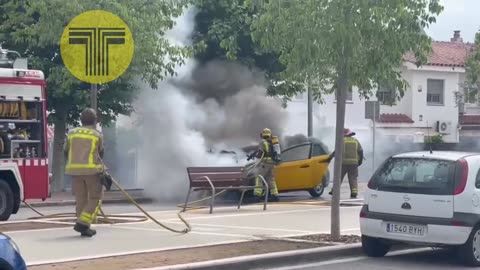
x,y
266,166
352,159
84,149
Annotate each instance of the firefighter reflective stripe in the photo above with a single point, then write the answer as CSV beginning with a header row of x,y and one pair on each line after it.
x,y
267,151
258,191
350,155
266,147
88,218
97,209
88,135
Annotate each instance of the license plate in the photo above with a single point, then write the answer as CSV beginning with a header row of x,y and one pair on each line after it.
x,y
406,229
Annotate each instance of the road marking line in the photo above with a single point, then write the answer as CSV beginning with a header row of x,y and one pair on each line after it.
x,y
247,228
191,232
228,207
259,213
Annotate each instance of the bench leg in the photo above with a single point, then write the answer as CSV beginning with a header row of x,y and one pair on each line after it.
x,y
266,188
213,200
241,198
186,200
266,199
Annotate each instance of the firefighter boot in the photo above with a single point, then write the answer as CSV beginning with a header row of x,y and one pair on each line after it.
x,y
353,193
273,198
84,230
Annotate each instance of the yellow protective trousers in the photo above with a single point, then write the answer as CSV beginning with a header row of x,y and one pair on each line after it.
x,y
88,191
266,170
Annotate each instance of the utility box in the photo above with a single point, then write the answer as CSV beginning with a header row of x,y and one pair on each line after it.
x,y
372,110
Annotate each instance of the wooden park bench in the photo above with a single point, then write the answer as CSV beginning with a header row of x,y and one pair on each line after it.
x,y
221,178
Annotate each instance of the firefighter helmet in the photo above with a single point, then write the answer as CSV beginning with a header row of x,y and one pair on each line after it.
x,y
88,117
266,133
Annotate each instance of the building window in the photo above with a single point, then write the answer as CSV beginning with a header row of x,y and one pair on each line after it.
x,y
435,92
386,95
349,97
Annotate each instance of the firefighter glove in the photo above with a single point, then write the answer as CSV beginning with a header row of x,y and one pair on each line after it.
x,y
106,180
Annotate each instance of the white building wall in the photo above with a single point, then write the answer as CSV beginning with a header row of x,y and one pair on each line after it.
x,y
433,113
403,106
414,104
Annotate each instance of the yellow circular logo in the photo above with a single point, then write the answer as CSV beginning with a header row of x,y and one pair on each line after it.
x,y
97,46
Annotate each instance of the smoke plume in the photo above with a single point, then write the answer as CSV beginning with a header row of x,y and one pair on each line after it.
x,y
289,141
191,118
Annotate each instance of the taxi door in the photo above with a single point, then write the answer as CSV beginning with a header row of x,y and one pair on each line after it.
x,y
295,170
319,164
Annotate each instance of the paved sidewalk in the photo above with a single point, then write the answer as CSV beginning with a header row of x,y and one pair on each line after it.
x,y
116,196
225,225
67,198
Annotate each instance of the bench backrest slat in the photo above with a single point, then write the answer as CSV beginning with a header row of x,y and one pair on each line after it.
x,y
214,169
219,176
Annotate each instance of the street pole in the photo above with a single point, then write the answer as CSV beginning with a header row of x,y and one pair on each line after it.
x,y
93,96
310,113
374,129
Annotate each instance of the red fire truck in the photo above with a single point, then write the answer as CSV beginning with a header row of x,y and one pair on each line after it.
x,y
23,135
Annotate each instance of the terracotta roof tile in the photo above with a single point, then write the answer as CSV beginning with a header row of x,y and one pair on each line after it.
x,y
469,119
452,54
395,118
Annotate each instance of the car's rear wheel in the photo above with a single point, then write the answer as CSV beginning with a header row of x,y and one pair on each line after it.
x,y
6,201
374,247
469,253
318,190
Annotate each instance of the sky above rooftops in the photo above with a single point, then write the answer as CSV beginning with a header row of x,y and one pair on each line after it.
x,y
463,15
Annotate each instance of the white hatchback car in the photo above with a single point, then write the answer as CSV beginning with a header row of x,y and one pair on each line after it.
x,y
429,199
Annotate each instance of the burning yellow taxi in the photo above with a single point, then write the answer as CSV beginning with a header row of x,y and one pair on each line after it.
x,y
304,167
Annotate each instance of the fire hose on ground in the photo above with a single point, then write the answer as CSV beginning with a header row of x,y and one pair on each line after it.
x,y
107,218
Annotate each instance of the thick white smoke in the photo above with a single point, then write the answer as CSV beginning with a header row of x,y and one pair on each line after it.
x,y
182,124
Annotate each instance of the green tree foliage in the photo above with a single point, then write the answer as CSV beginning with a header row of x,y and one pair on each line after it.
x,y
473,67
34,28
334,46
223,31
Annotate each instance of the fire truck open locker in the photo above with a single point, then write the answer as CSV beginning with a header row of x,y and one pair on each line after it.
x,y
23,137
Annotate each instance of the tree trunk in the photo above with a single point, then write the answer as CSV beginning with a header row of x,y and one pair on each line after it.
x,y
339,145
58,166
310,112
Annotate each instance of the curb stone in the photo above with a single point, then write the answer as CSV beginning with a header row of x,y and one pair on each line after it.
x,y
271,260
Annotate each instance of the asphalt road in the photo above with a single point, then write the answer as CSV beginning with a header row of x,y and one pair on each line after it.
x,y
424,259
